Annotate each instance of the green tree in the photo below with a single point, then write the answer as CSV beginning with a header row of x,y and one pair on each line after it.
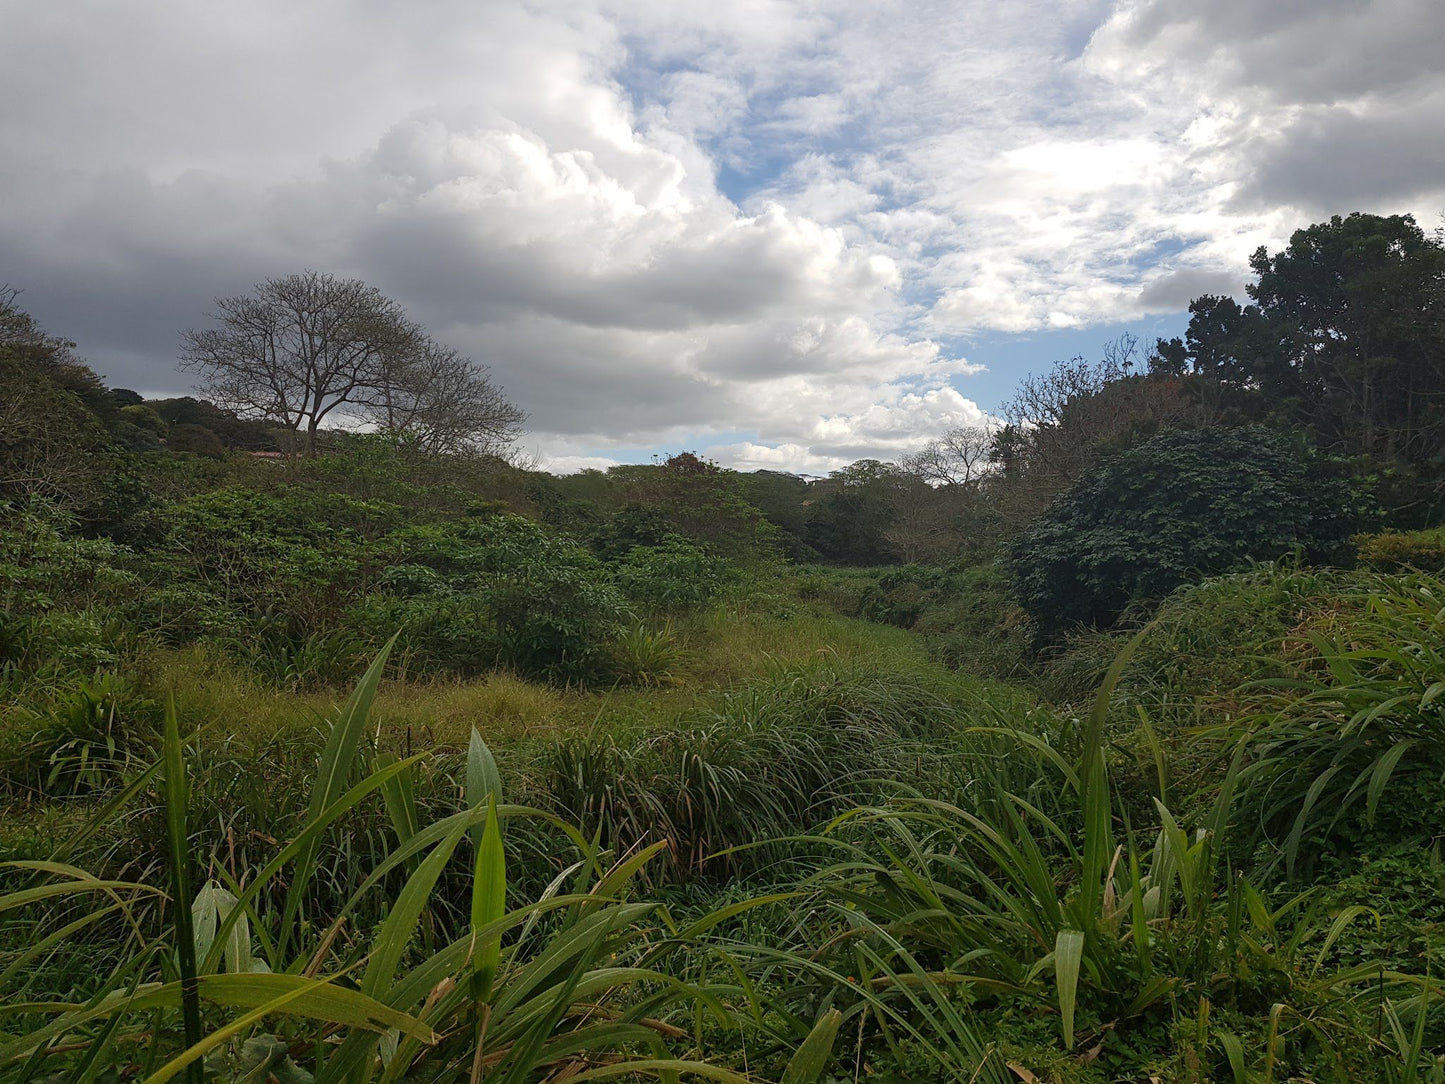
x,y
1358,305
855,511
1174,509
693,498
53,442
1344,335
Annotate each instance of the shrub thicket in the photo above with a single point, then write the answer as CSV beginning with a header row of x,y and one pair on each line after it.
x,y
1175,509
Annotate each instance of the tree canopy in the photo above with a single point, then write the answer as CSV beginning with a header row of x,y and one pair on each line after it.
x,y
1171,510
1345,336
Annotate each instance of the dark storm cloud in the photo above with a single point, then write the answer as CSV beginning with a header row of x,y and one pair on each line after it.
x,y
1173,292
1298,51
1336,158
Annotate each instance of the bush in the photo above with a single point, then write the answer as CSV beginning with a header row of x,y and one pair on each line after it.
x,y
1392,550
672,576
503,590
549,599
1175,509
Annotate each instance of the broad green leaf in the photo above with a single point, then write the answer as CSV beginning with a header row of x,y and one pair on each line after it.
x,y
396,932
1381,776
811,1058
294,995
489,902
483,779
1068,955
179,846
1234,1051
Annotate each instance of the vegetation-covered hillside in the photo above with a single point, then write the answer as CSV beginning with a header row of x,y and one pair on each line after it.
x,y
1107,744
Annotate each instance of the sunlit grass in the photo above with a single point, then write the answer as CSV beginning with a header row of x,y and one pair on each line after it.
x,y
717,649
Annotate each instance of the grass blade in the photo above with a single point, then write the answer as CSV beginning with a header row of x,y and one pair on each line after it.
x,y
336,760
489,902
179,848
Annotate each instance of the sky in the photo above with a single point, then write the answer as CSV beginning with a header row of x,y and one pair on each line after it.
x,y
785,235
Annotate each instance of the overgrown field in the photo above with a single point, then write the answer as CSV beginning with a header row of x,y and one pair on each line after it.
x,y
790,844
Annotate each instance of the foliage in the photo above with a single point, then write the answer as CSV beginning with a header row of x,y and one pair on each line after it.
x,y
743,837
855,510
1392,550
1343,337
1360,716
569,979
1176,508
646,656
54,441
696,500
672,576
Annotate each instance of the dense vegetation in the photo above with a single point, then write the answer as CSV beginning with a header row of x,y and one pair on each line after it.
x,y
1105,745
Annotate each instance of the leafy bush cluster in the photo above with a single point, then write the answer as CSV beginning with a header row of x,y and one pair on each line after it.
x,y
299,584
1173,510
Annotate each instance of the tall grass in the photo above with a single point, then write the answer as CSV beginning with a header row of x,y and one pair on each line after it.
x,y
868,870
1029,908
575,981
1362,714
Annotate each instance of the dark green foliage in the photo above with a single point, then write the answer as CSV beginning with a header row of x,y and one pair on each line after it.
x,y
232,431
53,439
287,553
1344,338
784,499
502,590
635,525
197,440
548,598
852,515
84,738
763,761
1177,508
965,612
695,499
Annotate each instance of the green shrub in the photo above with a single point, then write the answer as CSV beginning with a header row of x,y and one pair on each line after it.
x,y
46,563
1175,509
443,632
502,590
84,740
673,576
549,599
1357,721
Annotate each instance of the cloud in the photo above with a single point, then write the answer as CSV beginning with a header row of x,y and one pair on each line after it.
x,y
1318,107
764,228
575,464
1174,291
1332,158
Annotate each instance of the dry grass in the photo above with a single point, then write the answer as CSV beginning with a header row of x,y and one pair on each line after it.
x,y
719,650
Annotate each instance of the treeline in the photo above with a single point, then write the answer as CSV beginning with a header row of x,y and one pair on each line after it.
x,y
1285,425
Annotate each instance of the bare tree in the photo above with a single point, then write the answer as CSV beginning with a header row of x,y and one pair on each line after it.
x,y
961,457
307,347
1041,399
448,403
